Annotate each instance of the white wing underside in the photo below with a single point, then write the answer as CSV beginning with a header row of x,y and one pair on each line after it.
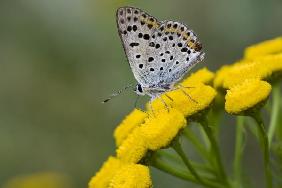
x,y
159,53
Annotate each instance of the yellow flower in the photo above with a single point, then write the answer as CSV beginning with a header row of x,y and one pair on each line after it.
x,y
133,120
132,176
189,101
246,95
106,173
161,129
259,68
239,73
274,62
133,148
220,75
41,179
264,48
201,76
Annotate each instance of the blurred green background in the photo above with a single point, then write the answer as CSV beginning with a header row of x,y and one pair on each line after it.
x,y
60,58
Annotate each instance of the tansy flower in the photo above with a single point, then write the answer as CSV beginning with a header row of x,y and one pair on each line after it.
x,y
220,75
264,48
189,101
133,148
274,62
161,129
132,176
258,68
201,76
247,95
133,120
41,179
106,173
241,72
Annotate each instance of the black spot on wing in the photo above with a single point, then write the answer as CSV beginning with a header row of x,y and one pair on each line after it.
x,y
134,44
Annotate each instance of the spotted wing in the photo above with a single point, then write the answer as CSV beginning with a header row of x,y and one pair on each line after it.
x,y
136,29
179,51
159,53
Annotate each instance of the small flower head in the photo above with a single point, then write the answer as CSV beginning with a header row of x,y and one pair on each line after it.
x,y
189,101
133,120
259,68
161,129
106,173
132,176
201,76
133,148
272,46
246,96
244,71
220,76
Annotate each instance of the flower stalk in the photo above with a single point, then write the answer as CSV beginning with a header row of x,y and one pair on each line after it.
x,y
265,146
215,149
274,112
239,148
178,149
181,173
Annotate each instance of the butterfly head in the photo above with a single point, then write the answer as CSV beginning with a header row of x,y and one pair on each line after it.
x,y
139,90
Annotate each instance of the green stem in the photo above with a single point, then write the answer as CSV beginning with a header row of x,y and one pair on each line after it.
x,y
173,158
177,147
274,112
239,147
263,136
198,145
205,138
165,167
215,149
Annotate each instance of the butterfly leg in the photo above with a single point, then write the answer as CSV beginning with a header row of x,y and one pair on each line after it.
x,y
151,108
165,104
181,88
187,87
168,97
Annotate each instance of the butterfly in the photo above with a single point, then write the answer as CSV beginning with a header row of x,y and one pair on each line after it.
x,y
160,53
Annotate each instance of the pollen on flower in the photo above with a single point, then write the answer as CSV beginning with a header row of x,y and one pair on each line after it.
x,y
189,101
272,46
132,175
106,173
201,76
246,95
133,148
241,72
161,129
220,75
133,120
274,62
258,68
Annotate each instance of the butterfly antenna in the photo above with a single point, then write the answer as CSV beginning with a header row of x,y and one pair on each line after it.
x,y
117,93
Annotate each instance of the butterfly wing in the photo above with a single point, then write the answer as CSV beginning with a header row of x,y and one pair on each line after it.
x,y
159,53
136,28
179,52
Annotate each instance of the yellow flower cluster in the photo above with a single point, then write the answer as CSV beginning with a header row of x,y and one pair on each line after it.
x,y
40,179
117,174
264,48
246,95
189,101
132,175
134,119
139,132
243,79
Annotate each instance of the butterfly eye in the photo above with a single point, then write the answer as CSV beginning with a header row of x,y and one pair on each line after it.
x,y
139,88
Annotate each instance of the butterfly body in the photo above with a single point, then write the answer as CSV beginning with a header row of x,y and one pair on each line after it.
x,y
159,53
